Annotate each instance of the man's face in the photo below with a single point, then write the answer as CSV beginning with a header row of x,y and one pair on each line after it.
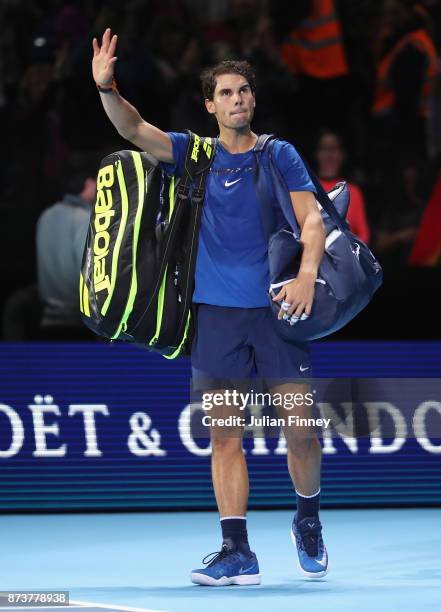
x,y
233,102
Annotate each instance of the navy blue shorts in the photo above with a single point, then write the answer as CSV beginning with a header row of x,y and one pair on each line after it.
x,y
241,343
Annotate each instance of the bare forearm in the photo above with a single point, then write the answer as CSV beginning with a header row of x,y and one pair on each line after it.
x,y
313,240
132,127
299,293
121,113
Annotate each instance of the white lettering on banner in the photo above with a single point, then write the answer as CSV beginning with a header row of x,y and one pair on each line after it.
x,y
343,427
185,432
389,428
377,442
282,447
419,425
88,411
17,429
140,422
184,428
42,430
257,431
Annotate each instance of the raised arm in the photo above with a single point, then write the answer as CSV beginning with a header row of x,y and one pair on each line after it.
x,y
121,113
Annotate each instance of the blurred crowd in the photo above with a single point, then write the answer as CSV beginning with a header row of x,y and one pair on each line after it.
x,y
353,84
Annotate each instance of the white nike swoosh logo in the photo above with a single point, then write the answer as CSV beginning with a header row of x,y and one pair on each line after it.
x,y
228,184
302,369
322,562
243,570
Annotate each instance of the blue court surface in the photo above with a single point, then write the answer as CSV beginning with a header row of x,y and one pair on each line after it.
x,y
380,560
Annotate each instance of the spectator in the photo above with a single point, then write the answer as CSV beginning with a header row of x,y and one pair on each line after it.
x,y
405,74
186,108
315,46
426,250
403,210
176,52
331,157
32,125
314,52
21,315
78,109
61,236
306,78
246,32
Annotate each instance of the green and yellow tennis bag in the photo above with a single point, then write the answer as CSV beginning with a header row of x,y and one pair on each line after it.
x,y
137,275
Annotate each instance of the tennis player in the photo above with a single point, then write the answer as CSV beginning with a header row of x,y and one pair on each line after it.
x,y
235,336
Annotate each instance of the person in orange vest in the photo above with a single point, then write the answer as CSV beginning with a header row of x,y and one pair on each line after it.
x,y
315,47
405,74
313,51
330,158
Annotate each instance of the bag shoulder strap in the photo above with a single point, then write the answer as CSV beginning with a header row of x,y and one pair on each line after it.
x,y
261,182
262,187
200,154
198,159
262,141
325,200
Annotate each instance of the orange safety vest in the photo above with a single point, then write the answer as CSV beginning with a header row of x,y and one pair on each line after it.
x,y
384,100
315,47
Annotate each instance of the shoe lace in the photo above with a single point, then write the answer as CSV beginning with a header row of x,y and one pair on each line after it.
x,y
219,555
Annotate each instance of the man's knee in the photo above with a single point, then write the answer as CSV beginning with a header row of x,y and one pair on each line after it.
x,y
226,444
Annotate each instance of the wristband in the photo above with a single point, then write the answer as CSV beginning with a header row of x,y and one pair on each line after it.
x,y
110,89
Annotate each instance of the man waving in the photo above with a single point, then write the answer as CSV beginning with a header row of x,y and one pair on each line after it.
x,y
235,336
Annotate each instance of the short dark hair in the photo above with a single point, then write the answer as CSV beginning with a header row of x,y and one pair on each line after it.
x,y
78,169
208,77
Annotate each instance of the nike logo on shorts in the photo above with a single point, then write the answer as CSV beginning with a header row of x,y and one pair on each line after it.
x,y
302,369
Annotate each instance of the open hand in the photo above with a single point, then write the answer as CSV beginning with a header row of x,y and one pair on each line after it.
x,y
104,59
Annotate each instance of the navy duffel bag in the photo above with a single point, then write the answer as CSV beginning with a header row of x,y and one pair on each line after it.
x,y
348,275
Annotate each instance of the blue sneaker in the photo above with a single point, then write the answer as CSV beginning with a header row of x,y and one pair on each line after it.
x,y
311,551
229,566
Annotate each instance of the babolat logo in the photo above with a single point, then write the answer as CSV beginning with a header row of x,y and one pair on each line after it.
x,y
208,148
103,216
195,152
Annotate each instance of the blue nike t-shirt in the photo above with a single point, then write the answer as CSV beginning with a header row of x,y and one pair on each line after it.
x,y
232,260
